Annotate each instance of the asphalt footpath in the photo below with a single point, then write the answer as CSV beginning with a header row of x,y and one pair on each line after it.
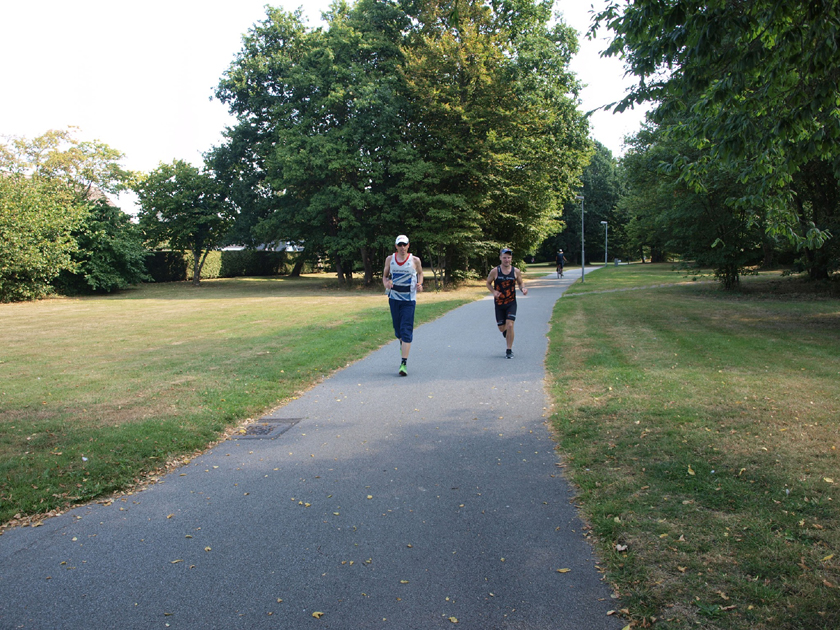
x,y
372,501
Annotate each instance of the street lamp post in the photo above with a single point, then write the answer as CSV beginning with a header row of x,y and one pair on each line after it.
x,y
604,223
582,256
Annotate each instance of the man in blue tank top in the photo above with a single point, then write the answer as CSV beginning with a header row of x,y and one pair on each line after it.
x,y
403,278
502,283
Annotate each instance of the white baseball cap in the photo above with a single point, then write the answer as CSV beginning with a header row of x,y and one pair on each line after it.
x,y
402,238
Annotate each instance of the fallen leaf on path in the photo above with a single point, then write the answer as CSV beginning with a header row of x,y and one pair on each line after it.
x,y
317,615
563,570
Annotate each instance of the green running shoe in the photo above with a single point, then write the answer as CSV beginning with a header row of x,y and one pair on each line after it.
x,y
403,370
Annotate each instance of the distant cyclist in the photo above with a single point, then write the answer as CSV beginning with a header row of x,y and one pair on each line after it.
x,y
561,262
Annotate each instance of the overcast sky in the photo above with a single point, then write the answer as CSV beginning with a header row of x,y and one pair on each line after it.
x,y
139,76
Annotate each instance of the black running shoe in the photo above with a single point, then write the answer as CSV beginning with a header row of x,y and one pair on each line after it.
x,y
509,354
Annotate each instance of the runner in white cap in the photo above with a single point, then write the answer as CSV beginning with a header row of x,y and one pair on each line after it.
x,y
403,278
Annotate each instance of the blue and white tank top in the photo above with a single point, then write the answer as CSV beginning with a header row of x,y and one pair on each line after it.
x,y
404,277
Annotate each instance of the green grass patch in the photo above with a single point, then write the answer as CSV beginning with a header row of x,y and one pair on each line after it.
x,y
700,428
98,393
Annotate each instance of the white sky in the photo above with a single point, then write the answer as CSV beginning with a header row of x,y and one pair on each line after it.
x,y
139,76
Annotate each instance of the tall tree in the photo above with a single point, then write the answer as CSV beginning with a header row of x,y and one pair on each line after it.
x,y
690,221
101,251
500,141
754,85
87,168
183,209
110,254
327,138
454,122
602,191
37,219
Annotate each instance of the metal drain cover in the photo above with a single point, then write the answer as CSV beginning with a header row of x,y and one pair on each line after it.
x,y
267,428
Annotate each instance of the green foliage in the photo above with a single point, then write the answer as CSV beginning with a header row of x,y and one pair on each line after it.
x,y
185,209
695,223
602,189
211,266
87,169
249,262
501,144
93,246
457,127
110,254
37,219
167,266
752,88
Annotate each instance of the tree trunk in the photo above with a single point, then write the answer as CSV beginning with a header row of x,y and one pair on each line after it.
x,y
434,269
817,265
768,247
368,266
447,269
339,270
299,263
198,264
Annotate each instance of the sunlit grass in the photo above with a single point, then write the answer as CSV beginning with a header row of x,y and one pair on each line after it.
x,y
701,429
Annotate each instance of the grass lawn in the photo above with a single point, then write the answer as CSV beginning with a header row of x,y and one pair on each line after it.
x,y
98,393
700,428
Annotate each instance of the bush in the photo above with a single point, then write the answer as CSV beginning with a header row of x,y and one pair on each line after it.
x,y
212,265
110,253
37,220
250,262
168,266
165,266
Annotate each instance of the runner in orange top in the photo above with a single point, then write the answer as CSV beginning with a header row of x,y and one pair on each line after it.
x,y
502,283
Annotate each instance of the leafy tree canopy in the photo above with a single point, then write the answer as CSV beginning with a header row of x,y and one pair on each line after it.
x,y
184,209
37,219
85,167
58,221
455,122
754,84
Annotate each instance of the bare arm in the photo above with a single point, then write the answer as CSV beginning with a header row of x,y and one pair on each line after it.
x,y
521,284
490,280
418,266
386,274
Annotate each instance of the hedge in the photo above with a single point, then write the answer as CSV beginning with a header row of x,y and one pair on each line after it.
x,y
167,266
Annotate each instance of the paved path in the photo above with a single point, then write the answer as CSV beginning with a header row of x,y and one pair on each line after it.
x,y
393,503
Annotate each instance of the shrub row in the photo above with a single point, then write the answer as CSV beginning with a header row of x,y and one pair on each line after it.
x,y
167,266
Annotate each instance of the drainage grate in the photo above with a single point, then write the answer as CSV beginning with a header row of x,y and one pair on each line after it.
x,y
267,428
